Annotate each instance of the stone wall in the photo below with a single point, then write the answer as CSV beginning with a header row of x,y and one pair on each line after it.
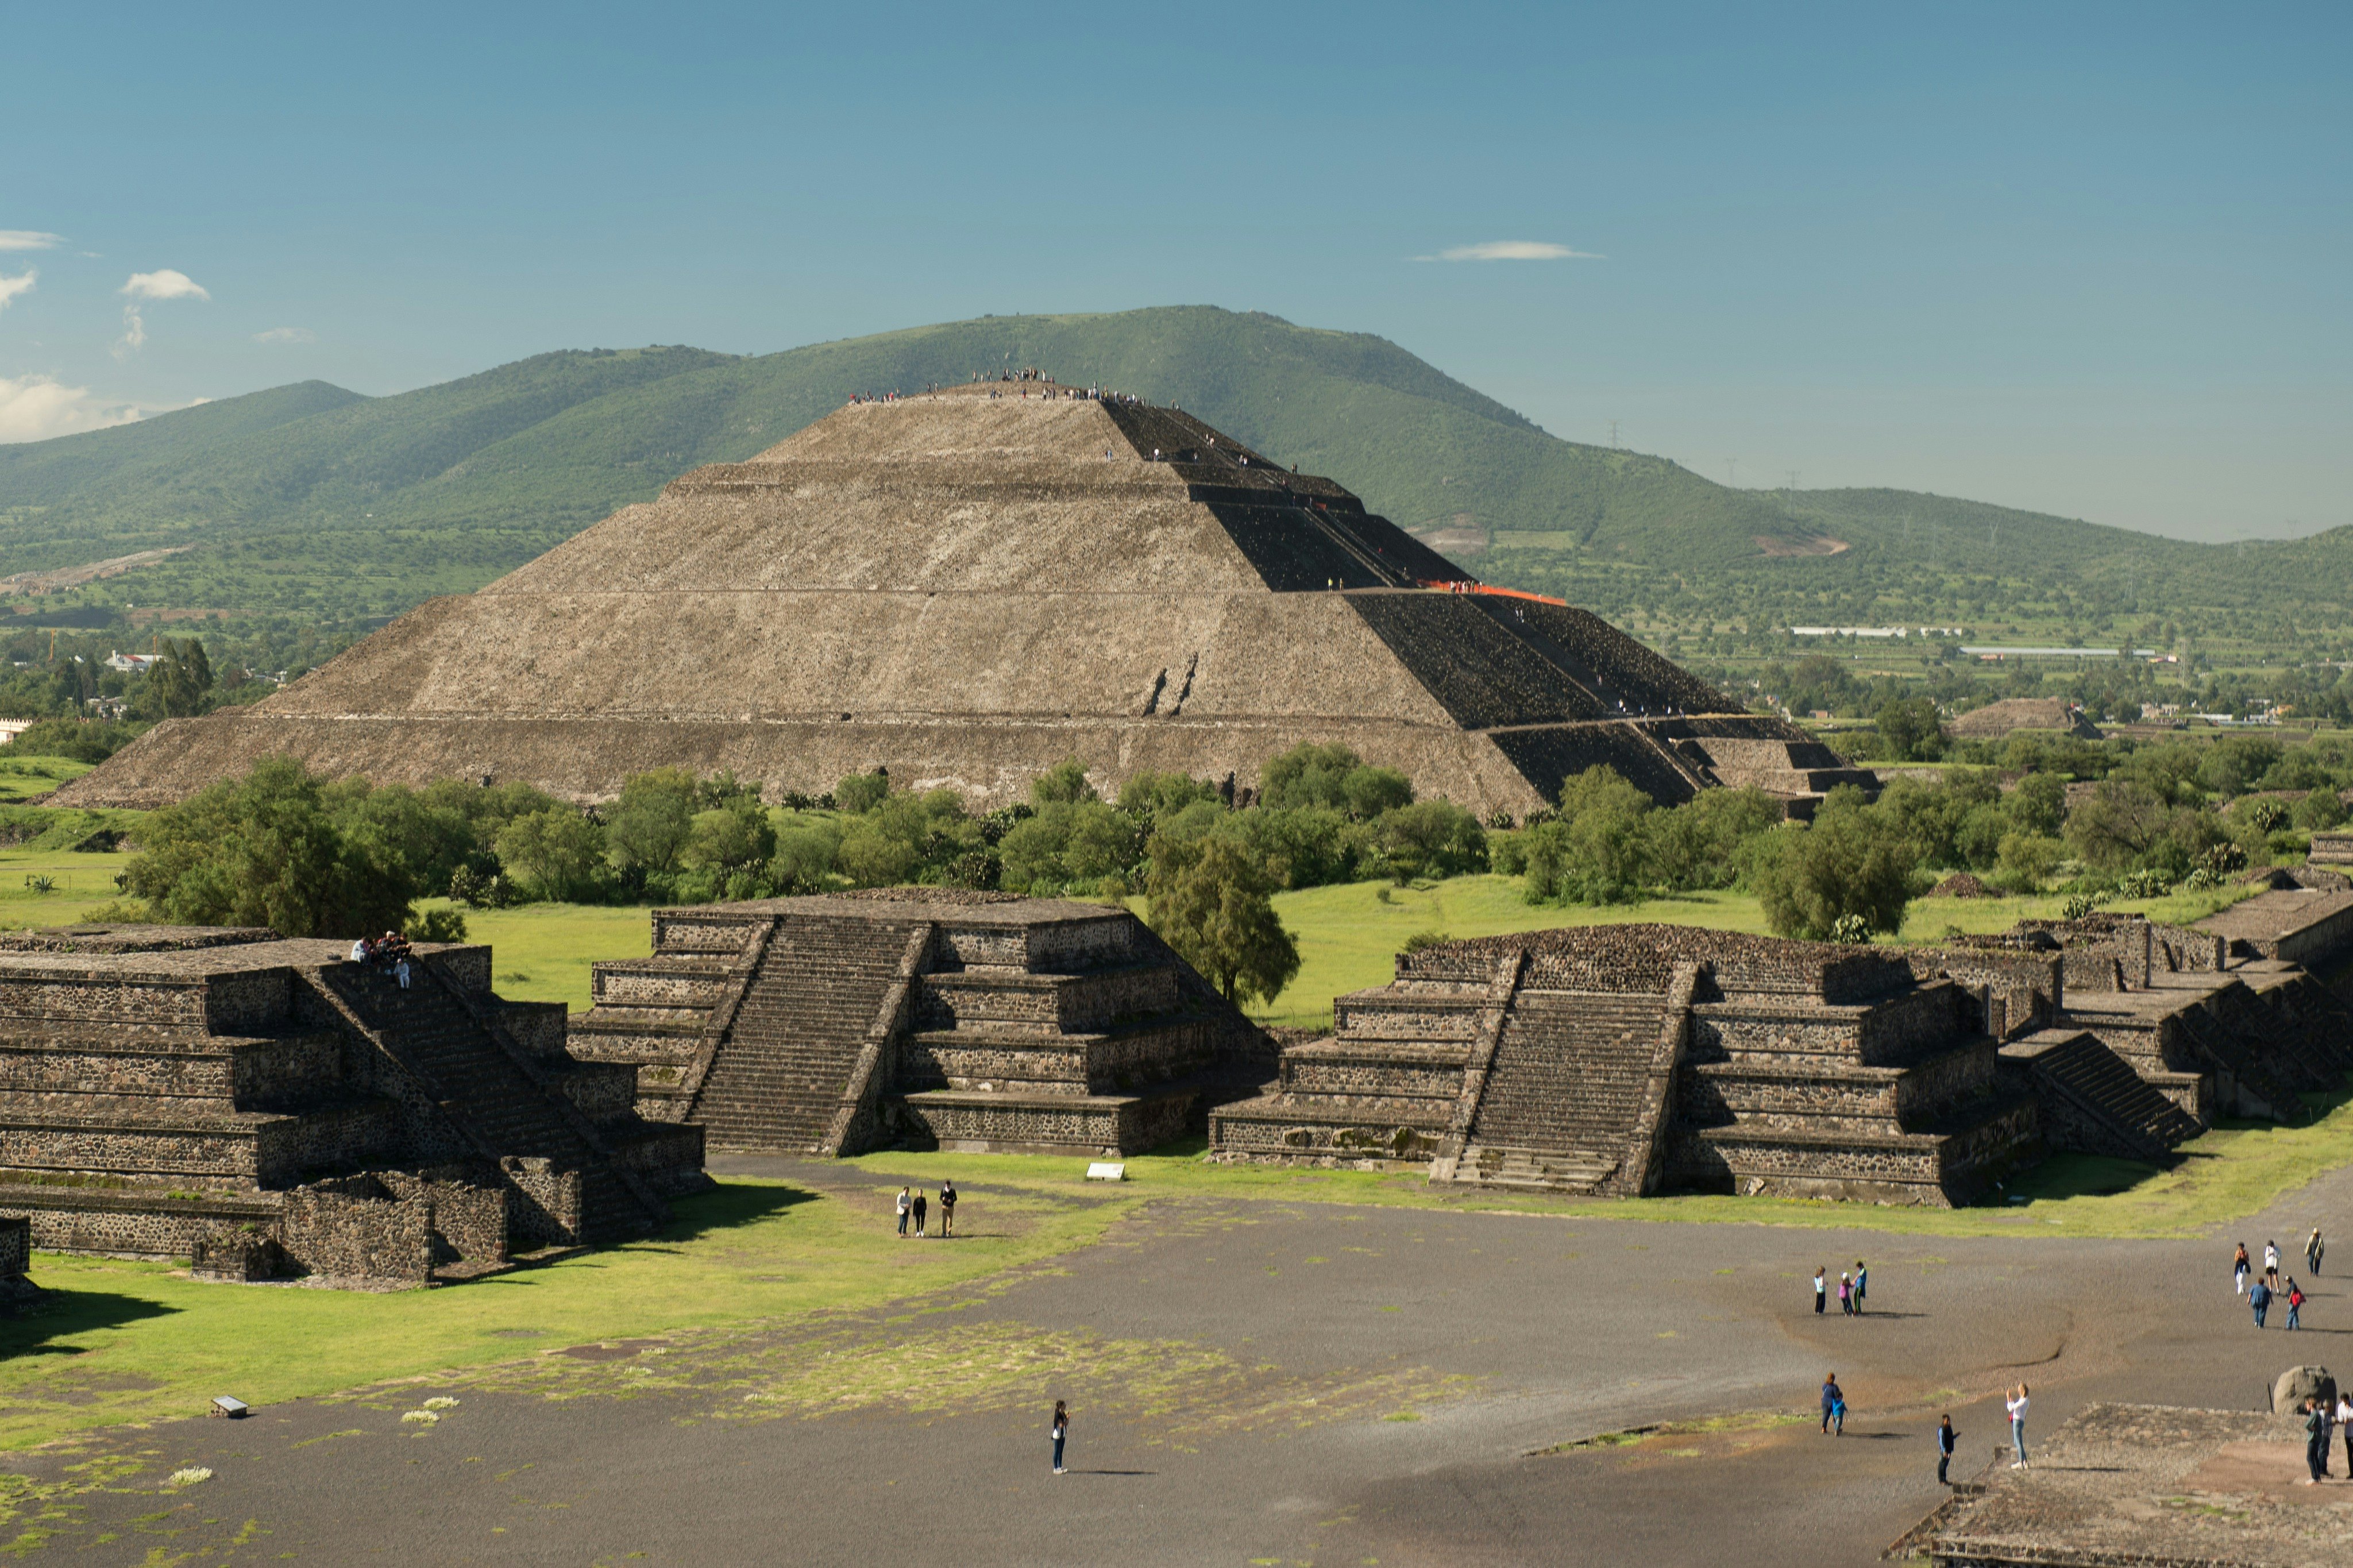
x,y
355,1228
1628,958
547,1206
15,1246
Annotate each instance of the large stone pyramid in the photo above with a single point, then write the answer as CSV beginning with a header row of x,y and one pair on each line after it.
x,y
966,588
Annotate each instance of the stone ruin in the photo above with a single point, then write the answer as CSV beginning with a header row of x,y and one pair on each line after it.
x,y
927,1017
262,1108
967,588
1631,1059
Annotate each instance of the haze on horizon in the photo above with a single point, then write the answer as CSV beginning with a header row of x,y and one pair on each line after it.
x,y
2089,262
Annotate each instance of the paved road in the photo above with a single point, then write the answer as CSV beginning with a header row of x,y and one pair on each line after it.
x,y
1251,1370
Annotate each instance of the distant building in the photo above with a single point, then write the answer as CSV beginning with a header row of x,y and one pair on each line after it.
x,y
1996,720
12,728
132,663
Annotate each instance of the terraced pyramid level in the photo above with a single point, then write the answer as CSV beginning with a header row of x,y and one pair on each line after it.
x,y
966,588
928,1018
252,1103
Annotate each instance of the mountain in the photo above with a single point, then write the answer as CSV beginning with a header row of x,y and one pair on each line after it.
x,y
317,502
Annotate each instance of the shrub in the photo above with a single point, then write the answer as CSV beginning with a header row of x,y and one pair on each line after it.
x,y
1432,838
1851,861
85,740
1064,784
861,793
1334,778
2025,861
554,852
649,826
1710,840
1596,851
2319,811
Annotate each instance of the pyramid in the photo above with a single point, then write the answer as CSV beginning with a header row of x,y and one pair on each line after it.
x,y
965,588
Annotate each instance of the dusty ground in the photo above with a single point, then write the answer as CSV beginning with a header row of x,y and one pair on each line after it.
x,y
1253,1381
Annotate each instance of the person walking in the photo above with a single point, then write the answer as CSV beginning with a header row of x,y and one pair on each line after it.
x,y
1834,1398
2259,1297
903,1212
2271,1264
2312,1251
920,1206
1061,1430
2239,1267
1862,1284
2016,1404
2316,1441
1821,1290
2294,1303
1945,1438
947,1208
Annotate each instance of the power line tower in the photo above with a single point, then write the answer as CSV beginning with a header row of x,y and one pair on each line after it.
x,y
1613,433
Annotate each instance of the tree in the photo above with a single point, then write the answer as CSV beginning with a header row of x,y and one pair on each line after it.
x,y
730,838
1909,730
1064,784
1212,902
554,852
650,825
861,793
1432,838
1596,850
1851,861
178,683
263,850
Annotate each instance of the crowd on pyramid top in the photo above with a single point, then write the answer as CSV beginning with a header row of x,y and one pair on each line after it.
x,y
1047,387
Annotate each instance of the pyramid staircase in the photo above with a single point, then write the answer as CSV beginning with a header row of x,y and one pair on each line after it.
x,y
1566,1091
2093,1100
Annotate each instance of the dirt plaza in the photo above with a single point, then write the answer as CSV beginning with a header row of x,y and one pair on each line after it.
x,y
1251,1380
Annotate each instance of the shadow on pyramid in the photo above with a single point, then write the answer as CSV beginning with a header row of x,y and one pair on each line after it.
x,y
966,587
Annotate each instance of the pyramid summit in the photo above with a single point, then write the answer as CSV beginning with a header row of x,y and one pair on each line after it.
x,y
965,588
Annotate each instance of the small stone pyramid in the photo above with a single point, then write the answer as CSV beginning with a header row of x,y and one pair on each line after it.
x,y
965,588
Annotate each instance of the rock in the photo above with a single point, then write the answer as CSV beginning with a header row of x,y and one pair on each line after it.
x,y
2298,1384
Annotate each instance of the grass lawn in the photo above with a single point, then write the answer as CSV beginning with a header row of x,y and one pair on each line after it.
x,y
21,778
116,1341
540,953
79,881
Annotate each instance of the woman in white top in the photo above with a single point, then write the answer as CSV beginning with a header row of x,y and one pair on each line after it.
x,y
2016,1404
2345,1427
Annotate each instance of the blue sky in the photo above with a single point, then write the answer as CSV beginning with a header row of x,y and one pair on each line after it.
x,y
2084,259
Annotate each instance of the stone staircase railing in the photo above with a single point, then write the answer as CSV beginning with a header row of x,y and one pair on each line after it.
x,y
737,986
1639,1173
856,1121
1505,981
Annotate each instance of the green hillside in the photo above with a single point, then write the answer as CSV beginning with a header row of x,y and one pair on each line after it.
x,y
335,509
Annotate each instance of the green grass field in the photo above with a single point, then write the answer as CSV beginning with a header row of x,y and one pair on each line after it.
x,y
22,778
116,1341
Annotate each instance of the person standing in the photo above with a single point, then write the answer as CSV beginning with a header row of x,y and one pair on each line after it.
x,y
1945,1438
2311,1251
1834,1398
947,1208
2316,1441
2345,1424
1846,1294
1061,1430
2016,1404
903,1212
1821,1290
2294,1303
2259,1297
2240,1268
2271,1264
920,1206
1862,1284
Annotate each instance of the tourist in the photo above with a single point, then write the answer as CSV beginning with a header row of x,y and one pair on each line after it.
x,y
2312,1251
359,950
2271,1264
947,1208
1061,1430
1862,1284
2326,1408
1834,1398
1945,1438
2239,1267
1846,1294
2259,1297
2345,1425
903,1211
1821,1290
2316,1441
920,1206
2016,1404
2294,1303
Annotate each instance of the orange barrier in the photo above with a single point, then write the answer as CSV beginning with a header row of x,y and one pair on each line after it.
x,y
1494,593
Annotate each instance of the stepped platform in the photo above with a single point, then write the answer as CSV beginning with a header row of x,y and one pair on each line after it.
x,y
2298,925
929,1017
262,1106
2092,1101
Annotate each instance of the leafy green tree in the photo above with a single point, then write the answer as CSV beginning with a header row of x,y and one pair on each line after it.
x,y
2119,825
730,840
263,850
1334,778
1851,861
1910,729
1158,795
861,793
1709,840
650,825
178,683
554,852
1597,851
1211,900
808,849
1432,838
1064,784
85,740
2023,862
2038,804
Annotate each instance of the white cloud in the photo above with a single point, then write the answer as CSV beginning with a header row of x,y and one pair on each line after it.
x,y
1512,250
36,408
287,335
12,287
163,284
28,239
